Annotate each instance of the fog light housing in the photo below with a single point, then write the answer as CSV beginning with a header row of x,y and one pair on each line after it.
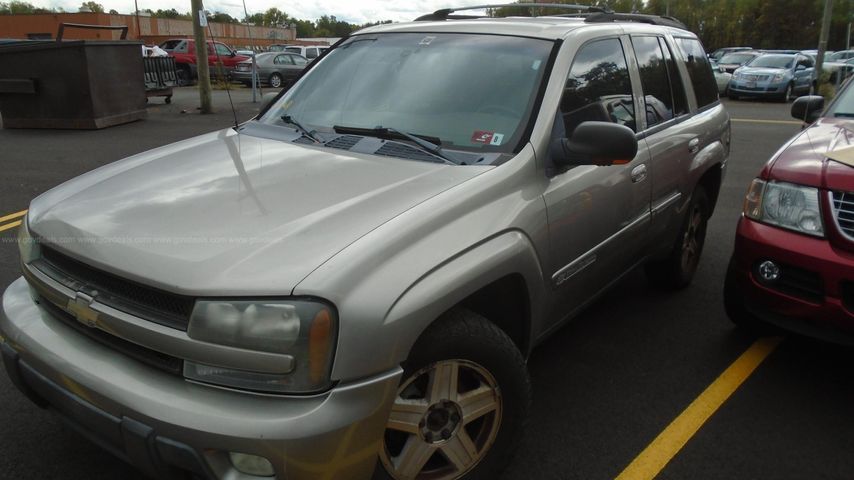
x,y
251,464
769,271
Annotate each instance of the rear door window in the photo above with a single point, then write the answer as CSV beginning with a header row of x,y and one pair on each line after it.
x,y
658,98
699,70
283,60
298,60
310,52
598,87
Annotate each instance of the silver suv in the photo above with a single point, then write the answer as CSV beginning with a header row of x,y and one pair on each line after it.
x,y
349,284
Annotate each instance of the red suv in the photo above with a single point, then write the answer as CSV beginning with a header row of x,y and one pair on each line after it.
x,y
793,264
184,51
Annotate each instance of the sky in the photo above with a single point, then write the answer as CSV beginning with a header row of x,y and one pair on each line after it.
x,y
353,11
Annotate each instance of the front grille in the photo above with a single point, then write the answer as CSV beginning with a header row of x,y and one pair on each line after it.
x,y
843,212
795,282
142,301
158,360
847,289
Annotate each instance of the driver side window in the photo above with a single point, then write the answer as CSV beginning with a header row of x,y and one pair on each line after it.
x,y
598,87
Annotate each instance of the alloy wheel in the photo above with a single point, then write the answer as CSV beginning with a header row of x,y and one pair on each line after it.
x,y
443,422
692,242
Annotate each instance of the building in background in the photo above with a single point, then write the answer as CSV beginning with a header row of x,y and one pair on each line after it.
x,y
151,30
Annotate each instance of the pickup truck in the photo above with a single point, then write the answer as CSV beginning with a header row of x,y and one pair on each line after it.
x,y
184,52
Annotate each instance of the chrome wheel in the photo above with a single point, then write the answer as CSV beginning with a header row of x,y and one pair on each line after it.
x,y
444,420
275,80
790,94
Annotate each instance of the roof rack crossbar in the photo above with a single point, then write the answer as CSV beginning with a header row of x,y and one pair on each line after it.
x,y
445,13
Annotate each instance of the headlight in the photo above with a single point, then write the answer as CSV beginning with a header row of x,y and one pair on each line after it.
x,y
778,77
27,245
784,205
304,330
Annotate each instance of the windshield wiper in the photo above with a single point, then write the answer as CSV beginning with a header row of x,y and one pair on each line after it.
x,y
393,133
291,121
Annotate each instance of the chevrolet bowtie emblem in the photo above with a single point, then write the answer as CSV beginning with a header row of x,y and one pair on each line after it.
x,y
81,308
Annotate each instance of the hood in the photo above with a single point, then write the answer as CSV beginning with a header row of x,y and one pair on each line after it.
x,y
761,71
802,161
231,214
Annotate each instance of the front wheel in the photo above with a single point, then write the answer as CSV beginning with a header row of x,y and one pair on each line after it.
x,y
275,80
789,95
461,407
677,270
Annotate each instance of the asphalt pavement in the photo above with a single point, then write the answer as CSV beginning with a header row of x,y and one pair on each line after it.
x,y
605,386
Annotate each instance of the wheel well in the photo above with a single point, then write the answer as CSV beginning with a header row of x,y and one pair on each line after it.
x,y
711,183
505,303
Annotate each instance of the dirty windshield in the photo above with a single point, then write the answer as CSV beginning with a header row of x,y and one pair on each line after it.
x,y
471,92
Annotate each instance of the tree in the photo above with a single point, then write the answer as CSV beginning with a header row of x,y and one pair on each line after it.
x,y
274,17
113,11
91,6
255,19
18,7
222,17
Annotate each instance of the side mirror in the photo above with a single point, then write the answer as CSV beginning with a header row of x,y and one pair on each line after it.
x,y
596,143
808,109
267,98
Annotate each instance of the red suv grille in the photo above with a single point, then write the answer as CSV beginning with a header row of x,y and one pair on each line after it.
x,y
843,212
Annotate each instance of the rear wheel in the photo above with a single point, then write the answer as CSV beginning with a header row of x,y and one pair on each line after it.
x,y
276,80
461,407
677,270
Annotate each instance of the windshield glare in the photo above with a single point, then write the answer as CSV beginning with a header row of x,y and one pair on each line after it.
x,y
772,61
843,105
474,92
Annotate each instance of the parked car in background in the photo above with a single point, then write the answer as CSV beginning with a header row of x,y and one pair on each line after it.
x,y
732,61
839,70
840,56
348,285
245,53
717,54
308,51
773,75
184,51
793,263
276,69
722,79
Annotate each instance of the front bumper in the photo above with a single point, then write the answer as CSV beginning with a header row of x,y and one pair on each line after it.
x,y
815,296
758,88
167,426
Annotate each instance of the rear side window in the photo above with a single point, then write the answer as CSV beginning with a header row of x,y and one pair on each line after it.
x,y
658,99
299,60
283,60
598,87
700,71
680,100
310,52
293,49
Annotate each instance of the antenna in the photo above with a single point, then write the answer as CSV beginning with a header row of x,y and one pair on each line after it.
x,y
227,87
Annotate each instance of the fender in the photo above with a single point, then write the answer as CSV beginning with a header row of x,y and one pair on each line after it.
x,y
508,253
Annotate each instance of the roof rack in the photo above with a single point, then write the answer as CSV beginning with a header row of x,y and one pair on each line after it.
x,y
606,17
590,13
445,13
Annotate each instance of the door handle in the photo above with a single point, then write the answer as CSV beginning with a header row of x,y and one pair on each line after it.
x,y
639,173
694,145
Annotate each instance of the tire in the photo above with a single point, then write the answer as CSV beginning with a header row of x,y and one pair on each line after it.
x,y
276,80
789,94
432,428
732,96
677,270
183,77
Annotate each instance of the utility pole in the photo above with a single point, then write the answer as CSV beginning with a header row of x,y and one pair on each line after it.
x,y
822,41
201,56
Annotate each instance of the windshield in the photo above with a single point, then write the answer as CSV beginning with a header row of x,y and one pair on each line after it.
x,y
736,58
471,92
843,105
772,61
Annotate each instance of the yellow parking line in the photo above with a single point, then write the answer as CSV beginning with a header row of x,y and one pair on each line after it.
x,y
13,215
668,443
773,122
8,226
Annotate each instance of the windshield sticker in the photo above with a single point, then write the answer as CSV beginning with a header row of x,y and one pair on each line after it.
x,y
536,64
482,136
427,41
497,138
